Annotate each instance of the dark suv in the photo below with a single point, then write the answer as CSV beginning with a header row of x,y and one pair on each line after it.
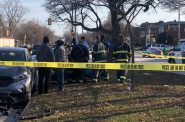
x,y
17,83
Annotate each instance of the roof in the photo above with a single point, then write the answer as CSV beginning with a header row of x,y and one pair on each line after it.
x,y
175,22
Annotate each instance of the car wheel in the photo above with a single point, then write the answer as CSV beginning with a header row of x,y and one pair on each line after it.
x,y
27,96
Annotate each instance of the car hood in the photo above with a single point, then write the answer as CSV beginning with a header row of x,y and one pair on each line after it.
x,y
11,70
7,81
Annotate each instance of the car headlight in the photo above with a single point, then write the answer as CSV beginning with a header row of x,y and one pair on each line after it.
x,y
20,76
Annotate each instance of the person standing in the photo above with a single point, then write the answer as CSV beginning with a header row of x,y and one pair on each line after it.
x,y
121,54
99,55
60,56
85,42
44,54
79,53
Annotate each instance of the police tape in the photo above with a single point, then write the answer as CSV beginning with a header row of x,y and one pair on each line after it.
x,y
162,56
109,66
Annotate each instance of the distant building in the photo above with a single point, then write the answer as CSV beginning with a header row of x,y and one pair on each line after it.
x,y
151,32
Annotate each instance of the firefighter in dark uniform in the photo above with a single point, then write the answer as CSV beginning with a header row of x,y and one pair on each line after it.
x,y
99,55
121,54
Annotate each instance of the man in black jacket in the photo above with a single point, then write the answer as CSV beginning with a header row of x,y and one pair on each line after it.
x,y
79,53
44,54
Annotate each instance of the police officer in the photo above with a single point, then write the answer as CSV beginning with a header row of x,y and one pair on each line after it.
x,y
99,55
121,54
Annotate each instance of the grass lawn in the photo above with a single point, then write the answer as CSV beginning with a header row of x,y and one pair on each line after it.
x,y
157,96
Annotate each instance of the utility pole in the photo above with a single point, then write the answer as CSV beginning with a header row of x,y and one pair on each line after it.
x,y
179,30
1,27
75,22
72,30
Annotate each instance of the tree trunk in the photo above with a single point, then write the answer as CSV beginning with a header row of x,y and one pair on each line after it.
x,y
115,33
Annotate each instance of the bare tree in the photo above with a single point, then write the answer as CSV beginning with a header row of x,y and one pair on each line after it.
x,y
34,33
12,12
91,10
172,4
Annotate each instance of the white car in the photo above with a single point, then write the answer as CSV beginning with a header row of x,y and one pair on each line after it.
x,y
152,52
162,46
178,52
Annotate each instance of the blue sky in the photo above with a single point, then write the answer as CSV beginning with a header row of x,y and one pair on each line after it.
x,y
37,12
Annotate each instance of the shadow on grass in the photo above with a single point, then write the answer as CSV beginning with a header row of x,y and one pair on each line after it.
x,y
105,114
93,103
111,113
158,78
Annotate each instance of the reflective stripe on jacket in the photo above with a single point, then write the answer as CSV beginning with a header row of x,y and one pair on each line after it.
x,y
99,53
122,53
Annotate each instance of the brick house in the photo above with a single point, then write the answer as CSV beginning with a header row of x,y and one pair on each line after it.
x,y
171,28
149,32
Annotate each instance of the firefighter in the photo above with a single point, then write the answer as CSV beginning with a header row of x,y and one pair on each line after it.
x,y
99,55
121,54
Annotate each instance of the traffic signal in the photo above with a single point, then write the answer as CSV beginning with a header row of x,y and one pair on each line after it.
x,y
49,21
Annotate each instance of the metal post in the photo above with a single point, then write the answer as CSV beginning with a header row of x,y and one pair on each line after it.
x,y
72,19
179,22
82,31
75,23
1,26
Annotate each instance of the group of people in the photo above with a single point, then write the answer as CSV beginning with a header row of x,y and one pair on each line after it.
x,y
121,54
78,53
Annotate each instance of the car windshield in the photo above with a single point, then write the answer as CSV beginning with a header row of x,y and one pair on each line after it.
x,y
12,56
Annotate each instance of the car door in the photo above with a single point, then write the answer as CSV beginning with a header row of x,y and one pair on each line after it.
x,y
178,55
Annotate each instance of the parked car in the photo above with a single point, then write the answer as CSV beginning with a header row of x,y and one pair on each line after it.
x,y
163,46
147,46
178,52
152,50
17,83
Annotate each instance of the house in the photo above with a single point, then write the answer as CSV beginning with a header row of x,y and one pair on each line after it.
x,y
149,32
171,28
161,32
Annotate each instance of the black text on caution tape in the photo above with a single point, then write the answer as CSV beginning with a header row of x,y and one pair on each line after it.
x,y
95,66
131,67
173,67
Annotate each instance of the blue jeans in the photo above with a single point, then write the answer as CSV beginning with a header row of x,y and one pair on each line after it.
x,y
60,79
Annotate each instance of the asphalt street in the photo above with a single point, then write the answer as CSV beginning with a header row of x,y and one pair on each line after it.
x,y
139,58
12,117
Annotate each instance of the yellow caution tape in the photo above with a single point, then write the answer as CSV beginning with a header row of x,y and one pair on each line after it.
x,y
110,66
162,56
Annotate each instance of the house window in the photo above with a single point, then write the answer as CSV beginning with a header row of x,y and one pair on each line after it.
x,y
142,34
